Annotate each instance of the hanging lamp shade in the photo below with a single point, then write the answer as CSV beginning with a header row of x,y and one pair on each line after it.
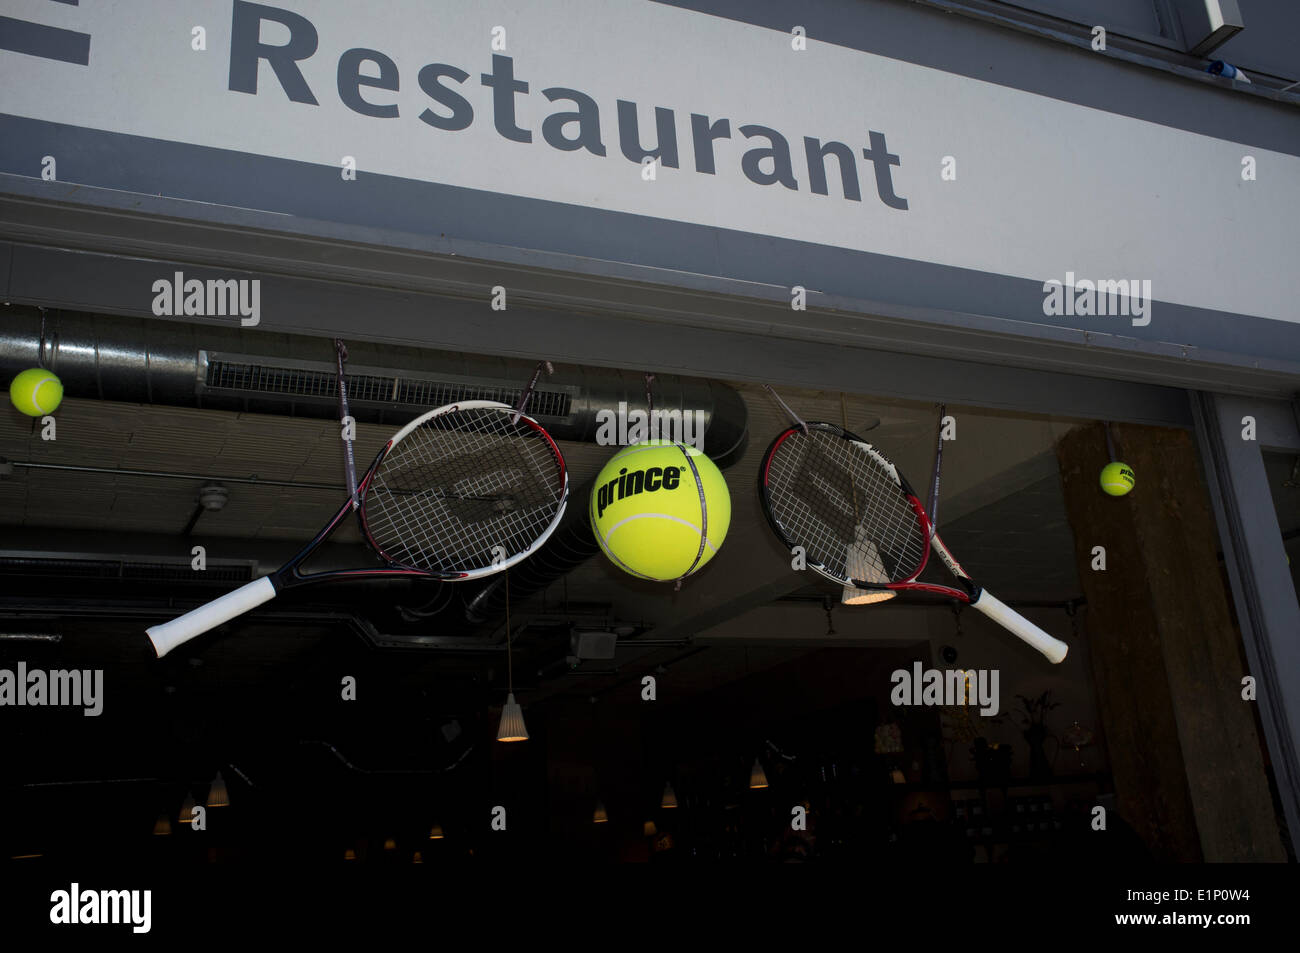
x,y
435,832
650,829
863,562
512,721
349,854
163,826
757,777
417,858
864,597
670,796
218,796
187,810
599,816
390,844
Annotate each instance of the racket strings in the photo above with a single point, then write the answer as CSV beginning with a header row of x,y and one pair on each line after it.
x,y
844,507
460,485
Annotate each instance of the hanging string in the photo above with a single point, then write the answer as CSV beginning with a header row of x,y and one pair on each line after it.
x,y
40,349
844,422
649,398
510,665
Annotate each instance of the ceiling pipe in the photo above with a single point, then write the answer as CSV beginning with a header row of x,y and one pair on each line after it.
x,y
179,364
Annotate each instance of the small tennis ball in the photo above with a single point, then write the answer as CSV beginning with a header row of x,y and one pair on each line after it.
x,y
652,503
36,392
1117,478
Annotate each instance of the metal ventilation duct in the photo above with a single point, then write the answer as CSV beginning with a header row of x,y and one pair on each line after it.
x,y
192,365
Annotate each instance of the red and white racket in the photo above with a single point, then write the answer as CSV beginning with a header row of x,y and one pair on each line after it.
x,y
461,492
860,524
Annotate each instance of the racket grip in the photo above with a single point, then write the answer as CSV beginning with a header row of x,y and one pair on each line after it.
x,y
1018,625
194,623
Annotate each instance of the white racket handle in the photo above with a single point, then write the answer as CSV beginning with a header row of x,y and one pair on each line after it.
x,y
1018,625
194,623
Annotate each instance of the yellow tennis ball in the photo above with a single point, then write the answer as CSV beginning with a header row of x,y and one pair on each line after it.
x,y
36,392
1117,478
653,503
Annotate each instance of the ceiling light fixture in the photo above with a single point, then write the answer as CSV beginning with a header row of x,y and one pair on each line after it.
x,y
600,816
863,562
669,798
512,716
865,597
218,796
757,777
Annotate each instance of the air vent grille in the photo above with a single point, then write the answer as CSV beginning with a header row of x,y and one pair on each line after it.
x,y
262,379
121,569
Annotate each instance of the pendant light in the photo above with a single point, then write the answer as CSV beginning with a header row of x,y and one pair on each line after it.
x,y
163,826
512,716
757,777
218,796
435,833
669,798
187,810
599,816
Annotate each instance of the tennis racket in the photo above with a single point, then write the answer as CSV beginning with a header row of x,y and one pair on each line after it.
x,y
861,526
459,493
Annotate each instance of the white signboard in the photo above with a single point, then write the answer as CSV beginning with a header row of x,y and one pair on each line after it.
x,y
535,99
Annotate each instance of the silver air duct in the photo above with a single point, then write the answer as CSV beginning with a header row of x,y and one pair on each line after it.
x,y
190,365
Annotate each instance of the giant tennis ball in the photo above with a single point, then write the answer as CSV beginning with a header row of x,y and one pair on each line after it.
x,y
1117,478
36,392
660,509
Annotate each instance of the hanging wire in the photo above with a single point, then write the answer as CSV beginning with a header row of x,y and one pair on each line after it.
x,y
510,666
649,398
844,422
40,350
1110,444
